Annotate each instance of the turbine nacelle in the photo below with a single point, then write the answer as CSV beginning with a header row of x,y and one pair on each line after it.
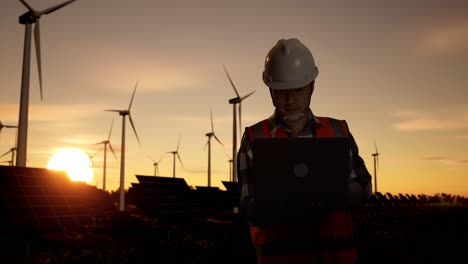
x,y
29,17
235,100
124,112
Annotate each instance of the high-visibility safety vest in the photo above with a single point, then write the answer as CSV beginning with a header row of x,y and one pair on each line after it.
x,y
328,240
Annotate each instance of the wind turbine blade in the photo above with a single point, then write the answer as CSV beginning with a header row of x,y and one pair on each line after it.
x,y
113,110
97,152
375,145
217,139
178,157
110,131
58,6
134,130
206,144
211,116
110,146
178,144
27,5
159,160
230,80
242,98
133,95
149,157
37,41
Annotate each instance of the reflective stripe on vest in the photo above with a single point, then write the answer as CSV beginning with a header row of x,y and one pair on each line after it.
x,y
335,237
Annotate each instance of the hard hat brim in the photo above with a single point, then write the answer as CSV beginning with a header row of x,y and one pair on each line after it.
x,y
286,85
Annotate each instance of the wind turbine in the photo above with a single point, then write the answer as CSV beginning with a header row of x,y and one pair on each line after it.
x,y
235,101
12,151
27,19
5,126
208,143
175,153
376,165
106,142
230,167
155,164
91,156
124,113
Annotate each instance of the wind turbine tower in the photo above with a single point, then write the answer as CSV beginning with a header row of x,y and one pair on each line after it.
x,y
174,154
208,143
124,113
235,101
376,165
230,168
105,143
27,19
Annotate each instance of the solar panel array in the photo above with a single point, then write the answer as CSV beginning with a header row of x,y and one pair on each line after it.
x,y
34,199
233,190
212,199
164,197
168,197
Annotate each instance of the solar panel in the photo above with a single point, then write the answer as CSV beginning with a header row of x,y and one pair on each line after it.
x,y
163,197
233,190
39,199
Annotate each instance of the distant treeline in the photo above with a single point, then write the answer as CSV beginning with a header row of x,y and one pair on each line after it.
x,y
438,199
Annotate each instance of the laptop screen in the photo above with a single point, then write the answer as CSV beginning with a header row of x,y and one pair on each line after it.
x,y
301,172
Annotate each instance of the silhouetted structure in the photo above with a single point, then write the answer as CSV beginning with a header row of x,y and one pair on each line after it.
x,y
164,197
233,193
35,200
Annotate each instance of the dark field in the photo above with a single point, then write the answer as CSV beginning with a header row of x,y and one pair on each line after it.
x,y
432,234
45,218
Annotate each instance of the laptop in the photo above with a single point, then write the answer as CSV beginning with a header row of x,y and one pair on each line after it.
x,y
296,177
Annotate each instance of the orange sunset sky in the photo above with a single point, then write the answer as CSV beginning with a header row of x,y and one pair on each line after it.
x,y
395,70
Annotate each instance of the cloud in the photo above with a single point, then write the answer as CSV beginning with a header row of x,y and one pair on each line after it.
x,y
153,74
438,119
449,39
50,112
462,136
445,159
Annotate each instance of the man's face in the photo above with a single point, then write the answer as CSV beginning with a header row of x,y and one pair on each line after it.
x,y
292,102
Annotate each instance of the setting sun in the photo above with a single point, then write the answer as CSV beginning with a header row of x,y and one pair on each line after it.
x,y
75,162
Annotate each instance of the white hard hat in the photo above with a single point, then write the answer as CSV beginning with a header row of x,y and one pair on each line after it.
x,y
288,65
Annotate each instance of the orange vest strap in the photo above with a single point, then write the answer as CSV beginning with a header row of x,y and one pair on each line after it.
x,y
332,128
279,133
266,129
259,130
336,224
324,129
